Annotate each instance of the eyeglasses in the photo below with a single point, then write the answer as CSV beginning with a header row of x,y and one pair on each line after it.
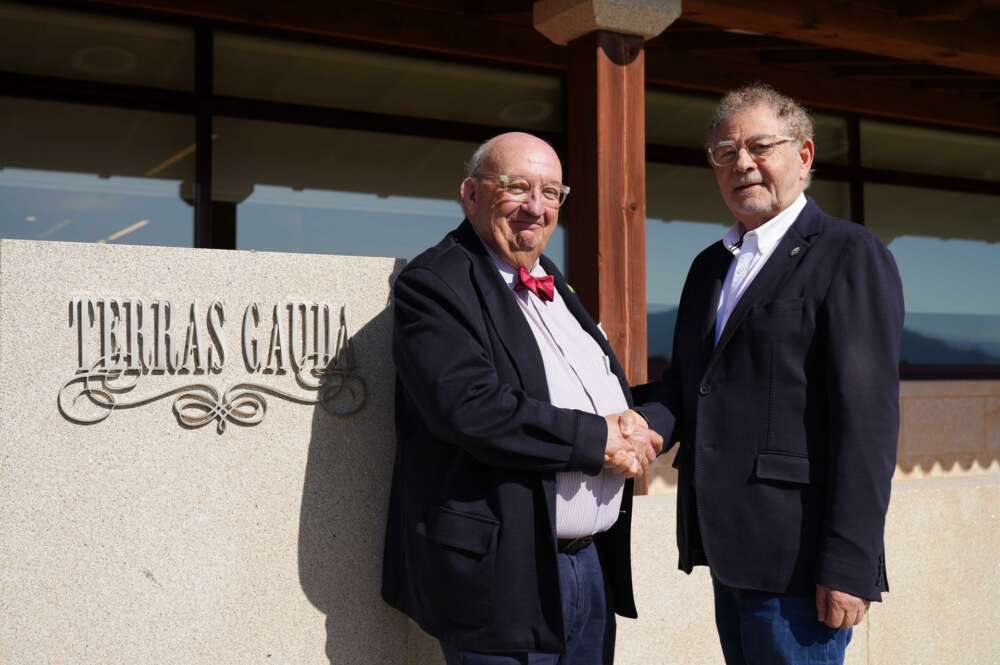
x,y
725,153
518,188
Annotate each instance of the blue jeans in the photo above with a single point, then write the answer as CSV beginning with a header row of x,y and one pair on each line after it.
x,y
589,623
757,628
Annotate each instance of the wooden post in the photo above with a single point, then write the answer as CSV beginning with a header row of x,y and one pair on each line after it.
x,y
605,216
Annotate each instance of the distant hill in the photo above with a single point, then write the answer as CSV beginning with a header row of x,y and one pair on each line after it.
x,y
920,349
951,338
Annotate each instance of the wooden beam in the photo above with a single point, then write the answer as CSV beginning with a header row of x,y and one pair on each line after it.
x,y
474,39
718,40
707,72
971,45
988,85
606,214
939,10
521,9
822,56
908,70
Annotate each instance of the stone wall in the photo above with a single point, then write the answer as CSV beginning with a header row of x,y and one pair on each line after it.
x,y
213,512
252,537
943,560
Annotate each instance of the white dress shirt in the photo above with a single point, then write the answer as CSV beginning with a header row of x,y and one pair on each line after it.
x,y
751,255
579,376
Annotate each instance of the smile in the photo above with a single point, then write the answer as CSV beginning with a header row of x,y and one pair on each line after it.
x,y
525,224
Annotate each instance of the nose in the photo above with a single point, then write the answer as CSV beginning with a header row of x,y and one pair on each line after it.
x,y
744,162
533,204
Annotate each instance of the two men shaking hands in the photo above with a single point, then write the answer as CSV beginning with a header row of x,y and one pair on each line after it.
x,y
518,434
632,446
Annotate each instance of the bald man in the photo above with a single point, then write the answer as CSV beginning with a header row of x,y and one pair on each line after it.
x,y
508,528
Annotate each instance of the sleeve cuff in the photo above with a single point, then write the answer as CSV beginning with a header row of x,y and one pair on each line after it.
x,y
591,440
850,578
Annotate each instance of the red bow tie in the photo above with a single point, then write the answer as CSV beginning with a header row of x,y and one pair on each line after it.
x,y
543,287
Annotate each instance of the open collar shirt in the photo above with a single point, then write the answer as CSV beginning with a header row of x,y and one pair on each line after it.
x,y
751,252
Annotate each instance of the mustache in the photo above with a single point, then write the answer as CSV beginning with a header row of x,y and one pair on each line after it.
x,y
747,180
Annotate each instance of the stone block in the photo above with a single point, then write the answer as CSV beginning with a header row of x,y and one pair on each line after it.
x,y
207,515
562,21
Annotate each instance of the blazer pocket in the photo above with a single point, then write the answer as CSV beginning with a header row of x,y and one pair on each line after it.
x,y
777,319
462,531
461,562
783,305
786,467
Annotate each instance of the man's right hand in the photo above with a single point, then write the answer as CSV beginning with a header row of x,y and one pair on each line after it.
x,y
631,445
644,440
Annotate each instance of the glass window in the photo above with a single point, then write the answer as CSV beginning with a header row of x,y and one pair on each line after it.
x,y
830,137
75,45
684,215
385,83
947,246
95,174
832,196
682,120
309,189
677,119
925,150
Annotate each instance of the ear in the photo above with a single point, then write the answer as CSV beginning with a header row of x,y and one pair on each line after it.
x,y
807,151
469,195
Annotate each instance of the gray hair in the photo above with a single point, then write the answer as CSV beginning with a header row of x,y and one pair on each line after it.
x,y
478,157
797,122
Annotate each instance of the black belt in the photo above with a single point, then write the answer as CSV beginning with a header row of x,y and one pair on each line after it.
x,y
574,545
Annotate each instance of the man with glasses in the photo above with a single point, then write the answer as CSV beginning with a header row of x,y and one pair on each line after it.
x,y
508,528
783,393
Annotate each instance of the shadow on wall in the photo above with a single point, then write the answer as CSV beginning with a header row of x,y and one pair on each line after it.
x,y
342,520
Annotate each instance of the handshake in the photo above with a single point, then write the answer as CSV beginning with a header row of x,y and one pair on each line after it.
x,y
631,445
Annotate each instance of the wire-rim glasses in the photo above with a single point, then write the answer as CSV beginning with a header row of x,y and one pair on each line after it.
x,y
519,188
725,153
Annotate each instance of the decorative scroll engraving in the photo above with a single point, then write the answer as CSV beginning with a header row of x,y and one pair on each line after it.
x,y
93,394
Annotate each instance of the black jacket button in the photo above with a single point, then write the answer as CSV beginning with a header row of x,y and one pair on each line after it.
x,y
704,389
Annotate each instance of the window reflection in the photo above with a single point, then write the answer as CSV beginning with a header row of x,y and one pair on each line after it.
x,y
110,175
679,119
308,189
76,45
361,80
947,246
926,150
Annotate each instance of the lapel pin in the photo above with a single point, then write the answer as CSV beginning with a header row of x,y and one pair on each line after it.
x,y
795,251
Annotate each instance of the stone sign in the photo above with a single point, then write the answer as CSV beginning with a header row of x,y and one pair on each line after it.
x,y
195,453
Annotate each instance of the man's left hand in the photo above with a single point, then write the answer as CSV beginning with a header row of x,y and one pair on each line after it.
x,y
839,609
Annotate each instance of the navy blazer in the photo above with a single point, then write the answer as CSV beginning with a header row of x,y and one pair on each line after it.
x,y
470,550
788,426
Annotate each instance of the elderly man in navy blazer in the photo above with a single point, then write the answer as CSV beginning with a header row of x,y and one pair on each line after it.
x,y
508,529
783,393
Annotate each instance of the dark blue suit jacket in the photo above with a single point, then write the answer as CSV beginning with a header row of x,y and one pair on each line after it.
x,y
470,550
788,426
